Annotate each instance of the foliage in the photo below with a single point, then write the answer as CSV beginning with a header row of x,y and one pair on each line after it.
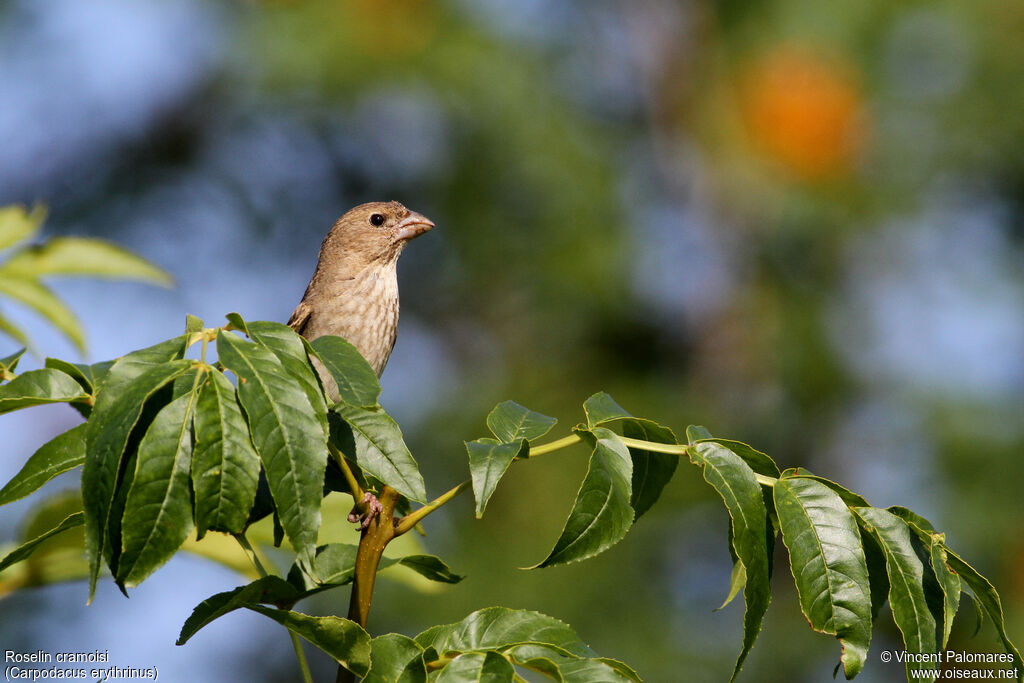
x,y
21,270
173,446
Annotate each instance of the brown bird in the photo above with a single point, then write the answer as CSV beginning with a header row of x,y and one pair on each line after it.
x,y
354,294
354,290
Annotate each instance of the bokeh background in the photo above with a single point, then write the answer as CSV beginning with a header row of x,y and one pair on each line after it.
x,y
799,223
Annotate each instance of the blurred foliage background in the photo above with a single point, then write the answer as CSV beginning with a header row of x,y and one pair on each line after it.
x,y
797,223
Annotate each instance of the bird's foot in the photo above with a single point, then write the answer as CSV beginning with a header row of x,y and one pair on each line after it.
x,y
365,510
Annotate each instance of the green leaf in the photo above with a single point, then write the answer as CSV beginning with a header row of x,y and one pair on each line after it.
x,y
534,640
758,461
88,376
737,579
36,296
910,517
268,589
97,372
695,433
25,549
344,640
987,596
498,628
949,583
57,559
828,564
62,453
335,566
225,466
395,658
849,497
734,481
619,672
158,511
129,367
877,573
906,571
290,349
10,363
510,422
60,560
568,669
481,667
381,452
355,380
236,322
18,224
85,256
287,436
978,609
108,459
131,381
651,470
430,567
601,408
37,387
946,580
488,461
601,515
193,324
50,511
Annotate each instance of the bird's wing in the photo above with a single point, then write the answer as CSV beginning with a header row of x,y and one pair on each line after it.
x,y
300,316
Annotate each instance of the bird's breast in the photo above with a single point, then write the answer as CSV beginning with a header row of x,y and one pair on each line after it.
x,y
363,310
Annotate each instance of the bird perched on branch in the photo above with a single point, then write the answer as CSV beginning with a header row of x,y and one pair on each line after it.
x,y
354,294
354,290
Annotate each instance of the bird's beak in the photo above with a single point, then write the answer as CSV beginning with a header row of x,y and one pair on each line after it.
x,y
413,225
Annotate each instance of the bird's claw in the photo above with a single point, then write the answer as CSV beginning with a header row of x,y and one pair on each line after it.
x,y
365,511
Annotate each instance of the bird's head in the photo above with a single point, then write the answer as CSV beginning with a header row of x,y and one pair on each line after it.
x,y
376,232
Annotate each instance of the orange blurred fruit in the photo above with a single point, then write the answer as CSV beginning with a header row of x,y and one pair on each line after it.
x,y
803,111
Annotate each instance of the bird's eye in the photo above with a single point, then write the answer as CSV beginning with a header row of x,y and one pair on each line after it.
x,y
377,219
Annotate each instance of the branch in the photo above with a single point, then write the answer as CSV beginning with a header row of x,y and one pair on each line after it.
x,y
414,518
375,538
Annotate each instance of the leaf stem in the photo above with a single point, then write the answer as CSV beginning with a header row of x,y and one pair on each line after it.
x,y
203,369
252,554
413,518
654,447
205,336
350,477
554,445
307,677
681,449
439,663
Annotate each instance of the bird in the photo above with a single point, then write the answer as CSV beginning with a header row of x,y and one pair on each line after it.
x,y
353,294
354,290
